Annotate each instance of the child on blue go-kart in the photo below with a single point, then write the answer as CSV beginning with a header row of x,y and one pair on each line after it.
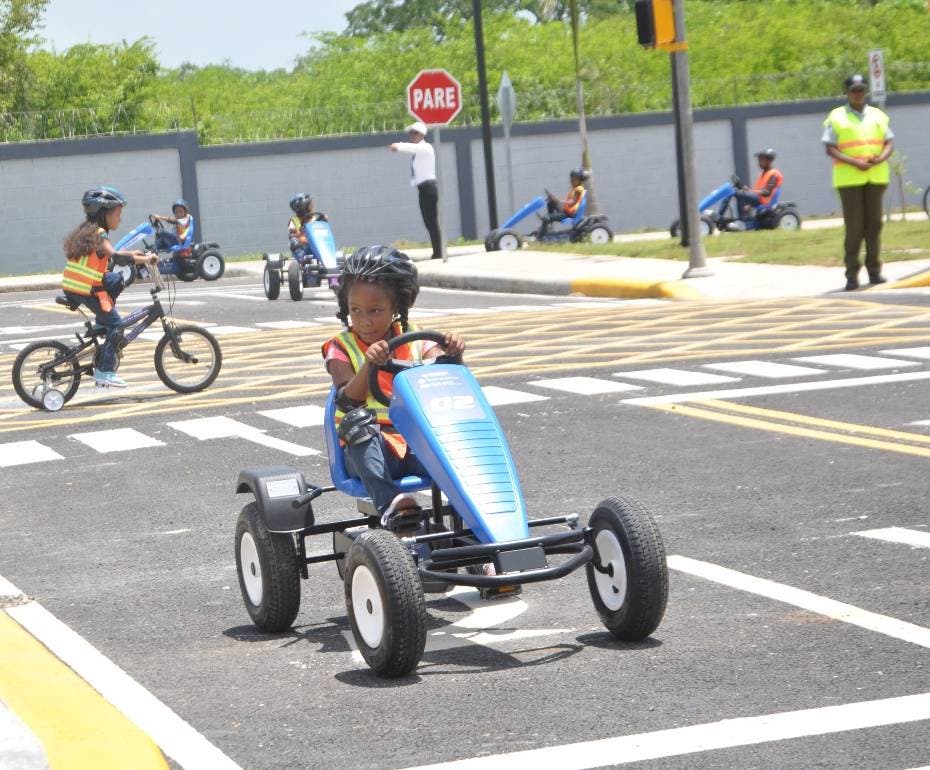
x,y
302,206
178,242
750,200
560,210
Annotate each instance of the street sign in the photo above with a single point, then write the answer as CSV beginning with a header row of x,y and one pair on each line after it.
x,y
877,76
434,97
506,101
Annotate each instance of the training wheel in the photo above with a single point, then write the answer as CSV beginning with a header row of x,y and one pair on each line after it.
x,y
53,400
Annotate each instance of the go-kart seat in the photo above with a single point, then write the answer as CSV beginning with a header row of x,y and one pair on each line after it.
x,y
771,204
351,485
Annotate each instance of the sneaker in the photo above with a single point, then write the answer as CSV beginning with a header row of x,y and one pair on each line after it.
x,y
877,279
109,379
736,226
851,285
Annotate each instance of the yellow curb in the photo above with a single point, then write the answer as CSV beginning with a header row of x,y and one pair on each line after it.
x,y
77,728
911,282
631,289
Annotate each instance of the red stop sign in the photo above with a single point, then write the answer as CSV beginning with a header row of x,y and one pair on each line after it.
x,y
435,97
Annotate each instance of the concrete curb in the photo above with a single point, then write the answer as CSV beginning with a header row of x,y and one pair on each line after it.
x,y
624,288
915,281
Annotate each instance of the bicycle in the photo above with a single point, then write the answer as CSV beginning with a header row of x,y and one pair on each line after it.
x,y
927,200
47,373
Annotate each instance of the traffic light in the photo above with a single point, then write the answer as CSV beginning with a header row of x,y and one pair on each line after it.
x,y
655,23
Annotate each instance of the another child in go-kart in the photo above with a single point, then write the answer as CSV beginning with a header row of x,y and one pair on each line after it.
x,y
178,242
561,209
302,206
377,288
761,193
86,280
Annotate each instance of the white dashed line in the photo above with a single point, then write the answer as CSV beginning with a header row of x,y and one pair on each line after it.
x,y
676,377
25,453
497,396
207,428
853,361
585,386
765,369
117,440
901,535
297,416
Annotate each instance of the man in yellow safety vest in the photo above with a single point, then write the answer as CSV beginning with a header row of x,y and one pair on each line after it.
x,y
859,139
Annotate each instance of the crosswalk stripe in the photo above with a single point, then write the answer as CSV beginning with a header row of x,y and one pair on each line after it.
x,y
855,361
116,440
285,324
585,386
676,377
767,369
909,352
898,535
297,416
498,396
219,331
25,453
206,428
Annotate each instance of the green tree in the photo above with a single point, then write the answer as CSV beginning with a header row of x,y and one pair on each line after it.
x,y
19,20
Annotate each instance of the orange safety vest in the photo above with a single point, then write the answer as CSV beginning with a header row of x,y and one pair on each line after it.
x,y
573,200
354,348
296,225
763,180
85,274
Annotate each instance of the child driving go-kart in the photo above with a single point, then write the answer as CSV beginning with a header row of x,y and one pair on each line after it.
x,y
751,200
562,209
178,242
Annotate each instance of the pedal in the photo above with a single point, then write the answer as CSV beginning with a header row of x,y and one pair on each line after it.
x,y
500,592
404,522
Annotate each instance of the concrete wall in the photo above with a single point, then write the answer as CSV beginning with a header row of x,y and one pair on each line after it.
x,y
239,193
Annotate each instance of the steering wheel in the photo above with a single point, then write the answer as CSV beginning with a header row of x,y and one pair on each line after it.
x,y
156,222
318,216
394,366
737,182
548,193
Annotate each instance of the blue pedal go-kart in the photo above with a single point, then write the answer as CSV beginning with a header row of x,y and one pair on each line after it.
x,y
581,227
318,263
204,260
477,517
720,211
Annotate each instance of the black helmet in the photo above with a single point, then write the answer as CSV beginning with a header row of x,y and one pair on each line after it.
x,y
180,202
301,203
580,173
380,262
102,197
768,152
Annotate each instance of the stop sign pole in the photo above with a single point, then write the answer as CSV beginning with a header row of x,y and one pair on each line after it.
x,y
435,98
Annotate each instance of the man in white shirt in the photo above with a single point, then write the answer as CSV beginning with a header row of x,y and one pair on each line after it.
x,y
423,177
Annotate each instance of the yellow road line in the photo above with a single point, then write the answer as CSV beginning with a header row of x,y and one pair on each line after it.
x,y
78,729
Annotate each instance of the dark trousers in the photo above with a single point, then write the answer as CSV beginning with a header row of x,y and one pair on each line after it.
x,y
429,208
377,467
108,358
862,215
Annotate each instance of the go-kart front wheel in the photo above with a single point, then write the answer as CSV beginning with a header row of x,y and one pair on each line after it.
x,y
628,577
707,227
269,575
506,240
295,281
272,282
385,603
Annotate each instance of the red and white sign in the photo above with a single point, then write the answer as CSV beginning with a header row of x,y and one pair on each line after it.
x,y
434,97
877,75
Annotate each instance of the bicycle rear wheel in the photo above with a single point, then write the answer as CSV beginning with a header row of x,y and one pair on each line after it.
x,y
29,383
197,365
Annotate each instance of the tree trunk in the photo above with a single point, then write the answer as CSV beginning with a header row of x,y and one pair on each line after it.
x,y
579,102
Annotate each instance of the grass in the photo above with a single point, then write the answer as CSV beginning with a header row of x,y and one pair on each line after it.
x,y
900,241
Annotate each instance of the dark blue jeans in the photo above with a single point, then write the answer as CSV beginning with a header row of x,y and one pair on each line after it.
x,y
108,359
377,466
164,240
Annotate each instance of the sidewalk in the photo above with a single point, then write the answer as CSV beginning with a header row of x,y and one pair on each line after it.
x,y
541,272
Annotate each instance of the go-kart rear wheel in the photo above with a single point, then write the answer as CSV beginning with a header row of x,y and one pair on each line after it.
x,y
385,603
211,265
507,240
489,240
631,593
269,575
707,227
272,282
295,281
787,220
600,234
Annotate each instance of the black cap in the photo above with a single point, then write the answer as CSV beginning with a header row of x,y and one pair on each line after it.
x,y
856,81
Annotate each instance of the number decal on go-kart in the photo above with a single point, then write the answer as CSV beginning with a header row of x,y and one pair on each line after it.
x,y
451,403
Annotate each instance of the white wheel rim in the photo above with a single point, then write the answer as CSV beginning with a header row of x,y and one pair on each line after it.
x,y
599,235
38,391
367,607
705,228
788,222
612,589
267,280
53,400
251,569
509,243
211,265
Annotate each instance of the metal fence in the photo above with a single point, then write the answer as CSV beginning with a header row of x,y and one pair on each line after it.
x,y
535,102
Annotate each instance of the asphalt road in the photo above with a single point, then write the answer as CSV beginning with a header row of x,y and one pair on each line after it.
x,y
785,479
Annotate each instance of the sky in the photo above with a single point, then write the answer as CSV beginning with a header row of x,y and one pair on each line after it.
x,y
266,34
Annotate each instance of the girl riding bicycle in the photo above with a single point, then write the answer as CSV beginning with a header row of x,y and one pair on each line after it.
x,y
86,279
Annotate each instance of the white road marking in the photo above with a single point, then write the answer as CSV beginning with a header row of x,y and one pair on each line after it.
x,y
912,537
173,735
766,369
920,422
207,428
585,386
26,452
768,390
847,613
219,331
909,352
297,416
117,440
10,330
676,377
854,361
285,324
327,320
711,736
502,396
18,744
232,295
518,308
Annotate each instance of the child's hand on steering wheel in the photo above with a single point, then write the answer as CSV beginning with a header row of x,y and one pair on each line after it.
x,y
453,345
377,353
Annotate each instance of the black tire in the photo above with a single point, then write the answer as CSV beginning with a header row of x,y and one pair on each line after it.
x,y
787,220
507,240
295,281
269,573
927,201
489,240
211,265
631,598
385,603
197,375
66,377
187,276
272,282
707,227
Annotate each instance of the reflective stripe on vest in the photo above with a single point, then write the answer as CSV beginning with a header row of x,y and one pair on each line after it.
x,y
82,276
859,139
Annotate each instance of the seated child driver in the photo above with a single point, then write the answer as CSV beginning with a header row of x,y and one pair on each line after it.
x,y
377,288
567,208
180,240
302,205
86,280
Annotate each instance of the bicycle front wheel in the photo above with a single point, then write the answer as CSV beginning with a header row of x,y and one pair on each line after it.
x,y
194,365
35,371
